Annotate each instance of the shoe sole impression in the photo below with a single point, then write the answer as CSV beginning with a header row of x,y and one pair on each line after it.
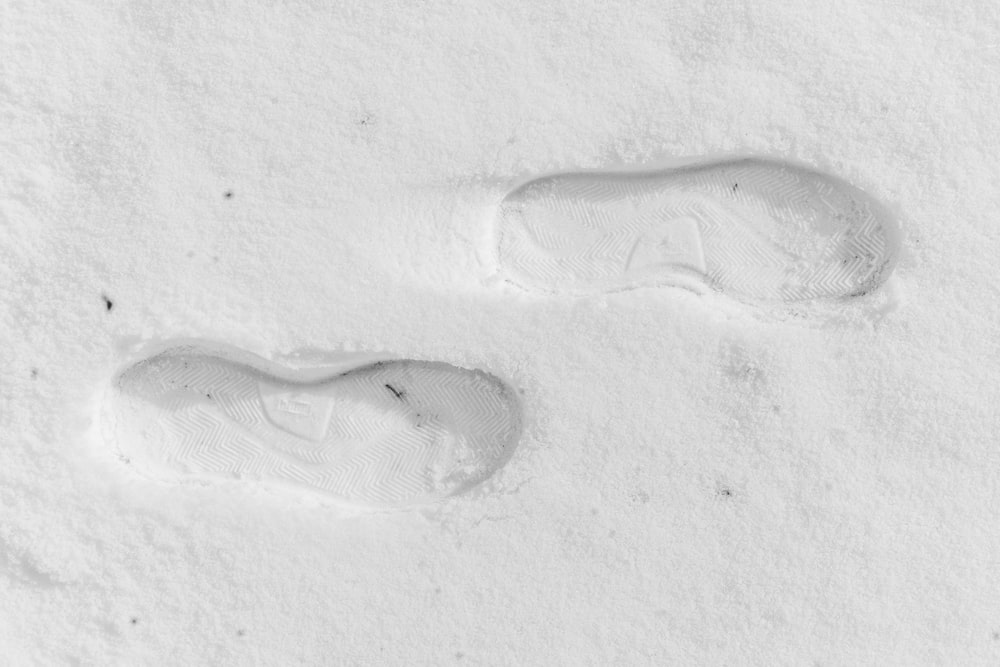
x,y
385,434
756,229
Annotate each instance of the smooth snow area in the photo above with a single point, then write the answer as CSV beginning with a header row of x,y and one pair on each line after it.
x,y
700,481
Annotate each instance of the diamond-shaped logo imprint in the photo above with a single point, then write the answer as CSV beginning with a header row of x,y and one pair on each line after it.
x,y
676,242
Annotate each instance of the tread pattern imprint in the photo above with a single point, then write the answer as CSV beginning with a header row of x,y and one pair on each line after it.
x,y
758,230
392,433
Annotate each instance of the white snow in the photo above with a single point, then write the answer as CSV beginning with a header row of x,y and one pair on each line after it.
x,y
700,482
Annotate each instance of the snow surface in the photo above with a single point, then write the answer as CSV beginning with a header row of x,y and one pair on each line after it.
x,y
700,481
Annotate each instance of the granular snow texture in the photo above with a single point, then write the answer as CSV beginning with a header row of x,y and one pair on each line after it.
x,y
699,481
